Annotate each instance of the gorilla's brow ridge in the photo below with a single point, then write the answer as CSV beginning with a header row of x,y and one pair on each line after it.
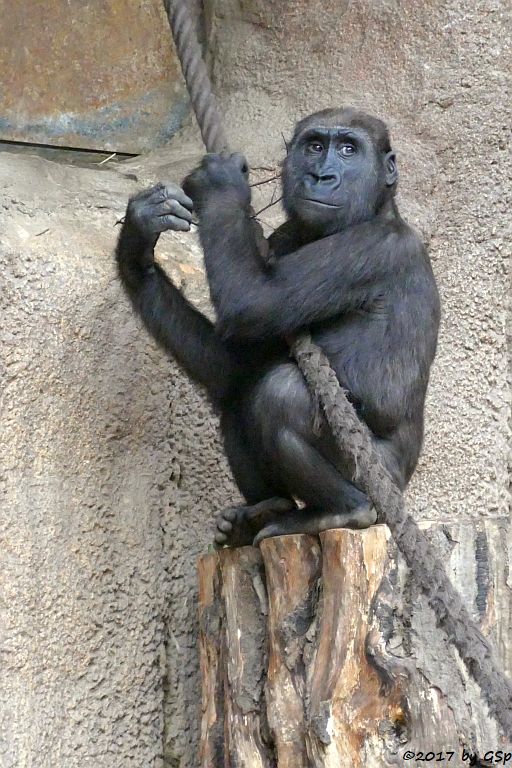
x,y
341,130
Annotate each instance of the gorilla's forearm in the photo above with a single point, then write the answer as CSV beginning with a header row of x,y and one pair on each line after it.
x,y
334,275
175,324
231,252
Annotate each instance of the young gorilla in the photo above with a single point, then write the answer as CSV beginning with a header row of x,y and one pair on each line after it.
x,y
346,267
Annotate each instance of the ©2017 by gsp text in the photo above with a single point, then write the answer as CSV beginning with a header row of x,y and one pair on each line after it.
x,y
463,757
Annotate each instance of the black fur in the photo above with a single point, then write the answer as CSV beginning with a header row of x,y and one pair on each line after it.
x,y
346,267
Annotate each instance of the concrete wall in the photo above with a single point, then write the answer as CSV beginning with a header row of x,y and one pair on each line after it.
x,y
110,467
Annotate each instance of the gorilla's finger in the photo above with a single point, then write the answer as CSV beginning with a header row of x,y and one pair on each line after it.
x,y
177,193
164,223
192,183
172,206
162,192
149,192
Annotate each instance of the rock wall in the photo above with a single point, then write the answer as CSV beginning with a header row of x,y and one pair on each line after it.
x,y
110,466
110,470
100,75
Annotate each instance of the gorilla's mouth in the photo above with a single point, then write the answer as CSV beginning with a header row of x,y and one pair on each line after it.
x,y
319,202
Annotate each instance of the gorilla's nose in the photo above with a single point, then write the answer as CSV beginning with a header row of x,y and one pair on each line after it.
x,y
328,179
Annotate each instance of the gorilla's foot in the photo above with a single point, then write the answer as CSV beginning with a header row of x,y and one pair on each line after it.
x,y
238,526
315,521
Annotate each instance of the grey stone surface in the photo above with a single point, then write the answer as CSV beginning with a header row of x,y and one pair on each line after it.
x,y
110,466
110,473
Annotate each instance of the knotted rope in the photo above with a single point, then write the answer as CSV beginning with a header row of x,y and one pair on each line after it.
x,y
353,436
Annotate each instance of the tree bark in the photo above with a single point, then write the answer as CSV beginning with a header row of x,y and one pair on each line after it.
x,y
319,652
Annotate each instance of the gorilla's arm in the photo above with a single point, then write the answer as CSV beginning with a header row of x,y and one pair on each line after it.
x,y
328,277
176,325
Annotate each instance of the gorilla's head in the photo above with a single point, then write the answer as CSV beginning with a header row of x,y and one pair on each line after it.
x,y
340,170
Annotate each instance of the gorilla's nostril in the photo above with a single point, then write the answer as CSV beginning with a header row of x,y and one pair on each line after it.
x,y
322,178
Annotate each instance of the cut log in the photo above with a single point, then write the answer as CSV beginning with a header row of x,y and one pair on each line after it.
x,y
210,639
292,565
319,652
232,618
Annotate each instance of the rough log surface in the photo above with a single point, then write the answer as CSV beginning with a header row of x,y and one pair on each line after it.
x,y
319,652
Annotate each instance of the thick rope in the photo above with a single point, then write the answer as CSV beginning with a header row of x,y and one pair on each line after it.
x,y
196,75
354,438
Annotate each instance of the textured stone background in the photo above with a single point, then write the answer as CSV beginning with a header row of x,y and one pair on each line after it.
x,y
110,470
110,467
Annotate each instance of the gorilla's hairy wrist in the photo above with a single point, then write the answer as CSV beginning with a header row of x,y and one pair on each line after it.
x,y
225,202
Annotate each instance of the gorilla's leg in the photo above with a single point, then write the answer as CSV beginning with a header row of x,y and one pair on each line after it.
x,y
301,458
331,500
267,499
291,456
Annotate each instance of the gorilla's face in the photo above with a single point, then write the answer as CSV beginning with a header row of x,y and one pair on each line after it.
x,y
336,174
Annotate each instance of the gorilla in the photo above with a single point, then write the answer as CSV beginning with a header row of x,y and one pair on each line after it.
x,y
344,266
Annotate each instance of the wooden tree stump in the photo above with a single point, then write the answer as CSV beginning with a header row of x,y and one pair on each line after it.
x,y
319,652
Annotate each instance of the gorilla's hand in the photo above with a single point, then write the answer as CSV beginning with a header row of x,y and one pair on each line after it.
x,y
158,209
219,175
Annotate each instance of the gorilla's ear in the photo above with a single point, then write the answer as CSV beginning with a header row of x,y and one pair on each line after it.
x,y
391,169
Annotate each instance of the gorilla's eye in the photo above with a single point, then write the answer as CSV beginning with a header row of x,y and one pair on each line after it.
x,y
315,147
347,150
